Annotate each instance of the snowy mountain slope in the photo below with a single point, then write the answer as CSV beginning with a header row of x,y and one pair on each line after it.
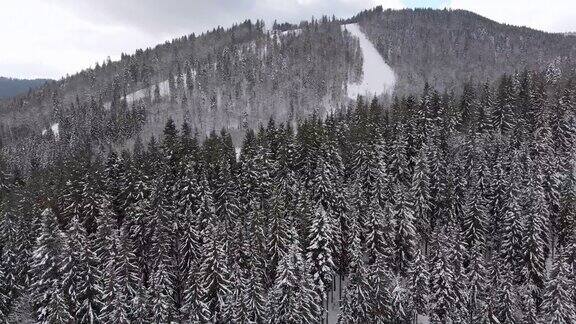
x,y
377,76
445,48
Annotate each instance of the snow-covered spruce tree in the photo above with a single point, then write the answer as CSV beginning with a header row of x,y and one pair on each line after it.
x,y
138,230
193,308
162,284
502,115
377,237
122,281
456,252
226,202
535,237
404,233
566,222
214,274
91,203
279,237
12,243
398,160
499,189
500,293
420,192
557,304
563,124
254,295
546,161
418,285
399,301
293,298
106,224
356,301
381,285
513,229
205,211
485,109
444,297
112,182
190,244
81,276
236,309
319,251
46,275
475,217
476,285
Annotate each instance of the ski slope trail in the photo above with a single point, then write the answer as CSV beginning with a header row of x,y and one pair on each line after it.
x,y
377,76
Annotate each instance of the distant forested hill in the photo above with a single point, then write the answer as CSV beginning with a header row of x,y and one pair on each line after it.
x,y
11,87
449,47
239,78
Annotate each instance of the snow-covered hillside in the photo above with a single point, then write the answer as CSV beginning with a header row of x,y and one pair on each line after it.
x,y
378,77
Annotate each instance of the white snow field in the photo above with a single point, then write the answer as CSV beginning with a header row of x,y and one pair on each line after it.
x,y
378,77
55,130
163,89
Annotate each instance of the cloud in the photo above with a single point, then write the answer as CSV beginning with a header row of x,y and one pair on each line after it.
x,y
43,39
50,38
178,16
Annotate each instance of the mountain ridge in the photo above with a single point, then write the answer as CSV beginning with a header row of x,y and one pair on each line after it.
x,y
239,78
10,87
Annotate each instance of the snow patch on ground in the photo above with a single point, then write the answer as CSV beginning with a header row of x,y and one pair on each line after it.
x,y
378,77
55,130
238,151
163,89
295,32
278,34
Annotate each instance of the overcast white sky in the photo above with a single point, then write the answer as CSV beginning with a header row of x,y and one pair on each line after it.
x,y
51,38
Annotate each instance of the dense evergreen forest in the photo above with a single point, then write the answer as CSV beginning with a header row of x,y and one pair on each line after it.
x,y
461,208
449,47
238,77
231,78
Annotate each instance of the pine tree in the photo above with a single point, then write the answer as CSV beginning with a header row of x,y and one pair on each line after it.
x,y
12,246
400,307
356,302
214,275
81,275
46,285
557,303
502,291
279,236
535,237
319,251
420,191
405,233
122,281
418,285
513,227
475,218
566,222
376,237
443,296
162,274
476,284
194,309
398,162
381,296
254,296
293,298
